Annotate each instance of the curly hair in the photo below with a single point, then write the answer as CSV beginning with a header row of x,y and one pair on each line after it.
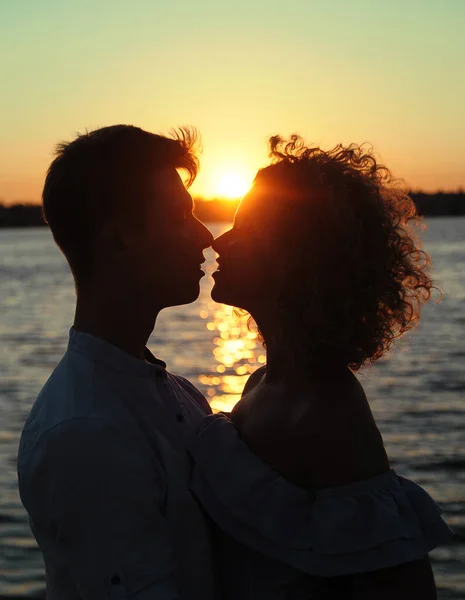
x,y
357,276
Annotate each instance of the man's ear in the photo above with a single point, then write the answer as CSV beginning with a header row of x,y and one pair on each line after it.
x,y
112,242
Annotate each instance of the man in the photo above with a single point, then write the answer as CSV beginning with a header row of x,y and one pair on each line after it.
x,y
103,470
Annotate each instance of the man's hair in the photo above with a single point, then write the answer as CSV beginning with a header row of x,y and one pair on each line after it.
x,y
103,173
357,274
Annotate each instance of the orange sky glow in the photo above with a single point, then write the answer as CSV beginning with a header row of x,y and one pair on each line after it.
x,y
362,71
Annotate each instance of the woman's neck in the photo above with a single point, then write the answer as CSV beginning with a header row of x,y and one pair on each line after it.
x,y
291,364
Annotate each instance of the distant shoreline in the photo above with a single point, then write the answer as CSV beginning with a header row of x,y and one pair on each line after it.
x,y
451,204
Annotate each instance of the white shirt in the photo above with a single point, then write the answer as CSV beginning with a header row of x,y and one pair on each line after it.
x,y
104,475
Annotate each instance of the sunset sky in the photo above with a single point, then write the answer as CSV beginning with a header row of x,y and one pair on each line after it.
x,y
387,72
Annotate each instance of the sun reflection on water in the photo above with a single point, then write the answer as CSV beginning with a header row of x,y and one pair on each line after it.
x,y
237,353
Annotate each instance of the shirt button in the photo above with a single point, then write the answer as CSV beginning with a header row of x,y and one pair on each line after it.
x,y
179,418
115,580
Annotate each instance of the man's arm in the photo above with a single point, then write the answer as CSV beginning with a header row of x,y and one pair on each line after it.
x,y
96,500
404,582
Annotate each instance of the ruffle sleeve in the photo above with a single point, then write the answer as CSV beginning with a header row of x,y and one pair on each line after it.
x,y
356,528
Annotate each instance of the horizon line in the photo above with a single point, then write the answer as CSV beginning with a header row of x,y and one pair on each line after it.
x,y
197,198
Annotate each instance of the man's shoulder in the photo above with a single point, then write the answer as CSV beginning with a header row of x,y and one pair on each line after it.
x,y
44,444
74,392
74,377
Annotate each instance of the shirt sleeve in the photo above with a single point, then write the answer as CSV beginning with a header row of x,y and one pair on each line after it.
x,y
360,527
195,394
95,501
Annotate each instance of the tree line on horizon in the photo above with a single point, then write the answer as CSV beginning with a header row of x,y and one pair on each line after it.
x,y
436,204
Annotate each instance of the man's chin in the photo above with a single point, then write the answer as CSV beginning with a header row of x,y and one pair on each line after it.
x,y
185,296
221,295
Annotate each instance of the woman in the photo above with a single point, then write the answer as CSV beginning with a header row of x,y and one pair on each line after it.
x,y
322,255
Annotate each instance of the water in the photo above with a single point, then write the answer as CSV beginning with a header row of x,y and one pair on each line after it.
x,y
417,396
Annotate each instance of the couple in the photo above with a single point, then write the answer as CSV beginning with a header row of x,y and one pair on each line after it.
x,y
133,488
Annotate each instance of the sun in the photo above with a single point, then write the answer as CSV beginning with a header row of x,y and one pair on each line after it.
x,y
231,186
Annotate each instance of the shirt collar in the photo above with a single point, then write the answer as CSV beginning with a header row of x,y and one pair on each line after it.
x,y
101,351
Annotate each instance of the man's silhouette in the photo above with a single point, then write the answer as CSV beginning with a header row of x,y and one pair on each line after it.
x,y
103,470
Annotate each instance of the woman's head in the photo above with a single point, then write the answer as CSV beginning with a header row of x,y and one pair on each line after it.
x,y
323,248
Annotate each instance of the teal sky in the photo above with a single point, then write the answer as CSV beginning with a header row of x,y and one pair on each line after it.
x,y
387,72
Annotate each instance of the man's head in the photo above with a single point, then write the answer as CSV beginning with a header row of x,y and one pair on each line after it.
x,y
120,212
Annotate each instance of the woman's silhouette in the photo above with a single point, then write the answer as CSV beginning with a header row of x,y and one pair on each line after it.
x,y
324,258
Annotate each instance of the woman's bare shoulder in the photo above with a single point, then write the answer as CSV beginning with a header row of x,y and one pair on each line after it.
x,y
337,435
319,434
254,380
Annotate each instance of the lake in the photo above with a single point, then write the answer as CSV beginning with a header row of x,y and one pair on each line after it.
x,y
417,395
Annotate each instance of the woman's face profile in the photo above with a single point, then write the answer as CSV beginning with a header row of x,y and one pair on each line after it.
x,y
248,258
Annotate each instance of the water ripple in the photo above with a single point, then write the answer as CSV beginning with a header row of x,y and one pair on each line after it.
x,y
417,395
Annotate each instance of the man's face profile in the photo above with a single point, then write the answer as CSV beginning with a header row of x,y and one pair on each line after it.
x,y
165,246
